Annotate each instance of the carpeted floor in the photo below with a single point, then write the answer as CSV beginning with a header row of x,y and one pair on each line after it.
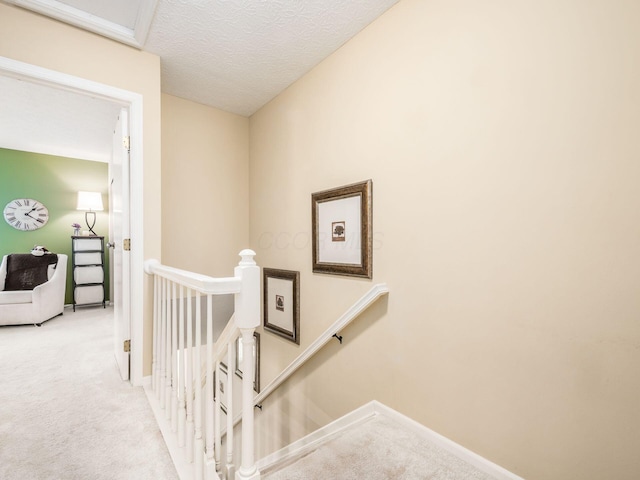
x,y
379,449
65,413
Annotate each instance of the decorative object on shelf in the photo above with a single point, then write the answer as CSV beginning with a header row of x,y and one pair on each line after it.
x,y
88,271
92,203
282,303
256,366
342,223
76,229
26,214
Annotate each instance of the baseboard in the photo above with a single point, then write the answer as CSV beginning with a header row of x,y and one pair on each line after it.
x,y
447,444
312,441
185,470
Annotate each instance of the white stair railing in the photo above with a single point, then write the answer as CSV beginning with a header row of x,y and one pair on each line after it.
x,y
191,408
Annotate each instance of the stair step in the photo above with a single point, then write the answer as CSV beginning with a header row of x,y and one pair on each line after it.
x,y
379,448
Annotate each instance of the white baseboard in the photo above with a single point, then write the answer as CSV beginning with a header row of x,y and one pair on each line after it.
x,y
312,441
447,444
185,470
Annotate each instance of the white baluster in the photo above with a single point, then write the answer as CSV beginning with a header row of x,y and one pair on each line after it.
x,y
247,315
156,313
182,412
169,356
161,358
174,357
199,442
163,345
217,413
210,465
229,468
189,380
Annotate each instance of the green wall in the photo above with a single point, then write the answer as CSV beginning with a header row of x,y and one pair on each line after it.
x,y
53,181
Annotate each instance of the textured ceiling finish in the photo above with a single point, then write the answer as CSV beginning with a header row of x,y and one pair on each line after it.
x,y
238,55
36,118
235,55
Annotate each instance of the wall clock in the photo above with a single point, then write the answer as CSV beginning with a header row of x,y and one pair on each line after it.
x,y
26,214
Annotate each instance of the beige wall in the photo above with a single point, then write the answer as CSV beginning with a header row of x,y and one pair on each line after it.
x,y
501,138
37,40
205,201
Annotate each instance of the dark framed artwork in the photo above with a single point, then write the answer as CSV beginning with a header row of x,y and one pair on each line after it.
x,y
256,365
282,303
342,223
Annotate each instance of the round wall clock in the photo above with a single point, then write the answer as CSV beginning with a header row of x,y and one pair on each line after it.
x,y
26,214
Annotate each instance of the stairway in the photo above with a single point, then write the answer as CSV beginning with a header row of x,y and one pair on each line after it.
x,y
382,447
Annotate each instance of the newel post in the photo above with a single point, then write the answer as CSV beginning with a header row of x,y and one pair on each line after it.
x,y
247,318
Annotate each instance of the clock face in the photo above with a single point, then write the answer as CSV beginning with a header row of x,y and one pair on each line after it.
x,y
26,214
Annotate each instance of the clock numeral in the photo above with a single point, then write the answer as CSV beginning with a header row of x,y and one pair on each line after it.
x,y
40,209
18,203
12,208
27,226
11,219
18,223
42,214
26,202
39,220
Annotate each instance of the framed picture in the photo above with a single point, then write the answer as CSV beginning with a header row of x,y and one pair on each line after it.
x,y
256,365
282,303
342,230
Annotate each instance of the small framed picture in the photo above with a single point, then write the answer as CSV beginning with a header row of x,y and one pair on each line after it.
x,y
281,289
256,364
342,230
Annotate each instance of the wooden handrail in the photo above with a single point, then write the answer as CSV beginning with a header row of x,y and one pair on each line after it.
x,y
177,363
201,283
356,309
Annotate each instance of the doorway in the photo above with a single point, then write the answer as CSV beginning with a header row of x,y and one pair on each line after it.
x,y
133,103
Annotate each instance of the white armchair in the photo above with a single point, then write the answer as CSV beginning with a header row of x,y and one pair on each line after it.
x,y
19,307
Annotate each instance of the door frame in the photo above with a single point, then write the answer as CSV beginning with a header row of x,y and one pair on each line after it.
x,y
132,101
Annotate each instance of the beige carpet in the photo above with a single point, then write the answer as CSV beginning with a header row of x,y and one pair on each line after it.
x,y
65,413
379,449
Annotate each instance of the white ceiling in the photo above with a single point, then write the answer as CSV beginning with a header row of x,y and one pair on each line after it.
x,y
235,55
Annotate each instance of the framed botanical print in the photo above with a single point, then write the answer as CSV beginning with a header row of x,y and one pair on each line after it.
x,y
281,290
342,230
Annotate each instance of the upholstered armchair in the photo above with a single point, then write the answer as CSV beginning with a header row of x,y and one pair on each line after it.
x,y
45,301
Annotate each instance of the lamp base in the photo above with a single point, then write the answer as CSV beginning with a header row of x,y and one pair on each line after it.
x,y
86,219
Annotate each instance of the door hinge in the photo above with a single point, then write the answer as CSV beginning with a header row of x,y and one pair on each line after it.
x,y
127,346
126,143
126,244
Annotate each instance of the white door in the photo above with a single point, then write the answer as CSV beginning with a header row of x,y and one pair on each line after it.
x,y
119,232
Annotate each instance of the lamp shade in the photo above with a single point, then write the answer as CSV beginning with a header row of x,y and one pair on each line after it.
x,y
90,201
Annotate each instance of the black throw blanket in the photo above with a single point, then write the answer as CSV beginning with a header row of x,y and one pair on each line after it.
x,y
26,271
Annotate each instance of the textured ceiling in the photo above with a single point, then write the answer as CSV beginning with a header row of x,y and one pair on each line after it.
x,y
238,55
235,55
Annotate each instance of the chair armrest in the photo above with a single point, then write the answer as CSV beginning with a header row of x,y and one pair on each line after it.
x,y
48,298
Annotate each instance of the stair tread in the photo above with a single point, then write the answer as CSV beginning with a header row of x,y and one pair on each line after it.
x,y
378,449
